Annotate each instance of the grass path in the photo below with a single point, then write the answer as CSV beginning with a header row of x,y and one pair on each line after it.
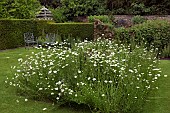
x,y
160,103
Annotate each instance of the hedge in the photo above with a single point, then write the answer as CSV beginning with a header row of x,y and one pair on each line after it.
x,y
11,31
153,33
76,30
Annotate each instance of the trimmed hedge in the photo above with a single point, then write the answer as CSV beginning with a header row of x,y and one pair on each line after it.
x,y
155,32
76,30
11,31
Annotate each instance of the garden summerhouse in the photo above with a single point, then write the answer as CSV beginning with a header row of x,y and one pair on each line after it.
x,y
45,14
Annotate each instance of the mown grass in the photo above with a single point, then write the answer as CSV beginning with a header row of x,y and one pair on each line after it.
x,y
161,100
157,104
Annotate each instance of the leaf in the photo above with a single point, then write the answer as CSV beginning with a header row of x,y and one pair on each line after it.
x,y
12,10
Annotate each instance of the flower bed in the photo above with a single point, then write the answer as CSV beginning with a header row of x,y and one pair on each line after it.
x,y
106,76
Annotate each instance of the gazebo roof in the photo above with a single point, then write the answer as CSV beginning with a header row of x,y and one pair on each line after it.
x,y
45,14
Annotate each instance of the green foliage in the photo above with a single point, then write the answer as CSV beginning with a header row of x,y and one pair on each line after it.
x,y
119,11
123,6
108,77
58,15
132,9
74,8
166,52
96,7
50,3
105,19
4,13
138,9
111,4
154,33
160,9
138,19
19,9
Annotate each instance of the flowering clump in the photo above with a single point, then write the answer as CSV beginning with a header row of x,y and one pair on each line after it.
x,y
104,75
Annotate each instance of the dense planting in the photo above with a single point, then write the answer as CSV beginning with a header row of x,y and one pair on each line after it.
x,y
138,19
103,75
154,33
103,18
70,9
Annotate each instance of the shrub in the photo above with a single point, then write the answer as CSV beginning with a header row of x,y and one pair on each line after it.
x,y
58,15
102,30
118,11
139,9
75,8
154,33
102,26
166,52
103,75
103,18
138,19
160,9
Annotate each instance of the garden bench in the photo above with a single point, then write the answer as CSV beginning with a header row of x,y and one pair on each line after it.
x,y
50,39
29,39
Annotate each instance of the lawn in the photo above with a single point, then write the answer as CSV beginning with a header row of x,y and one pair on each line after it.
x,y
13,103
161,101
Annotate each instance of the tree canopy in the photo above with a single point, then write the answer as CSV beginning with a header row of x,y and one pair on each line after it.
x,y
20,9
